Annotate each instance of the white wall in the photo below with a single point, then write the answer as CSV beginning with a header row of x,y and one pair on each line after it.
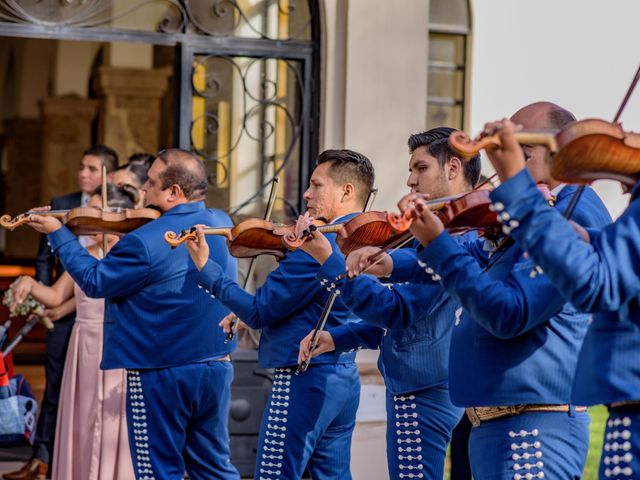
x,y
581,54
376,87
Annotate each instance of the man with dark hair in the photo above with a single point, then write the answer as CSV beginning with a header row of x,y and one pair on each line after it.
x,y
435,142
414,349
515,342
309,419
108,157
159,328
350,166
144,159
89,178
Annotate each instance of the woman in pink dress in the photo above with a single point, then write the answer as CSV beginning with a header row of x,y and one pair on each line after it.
x,y
91,436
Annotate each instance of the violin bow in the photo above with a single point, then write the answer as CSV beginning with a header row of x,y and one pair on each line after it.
x,y
370,199
104,207
252,264
322,321
315,338
630,90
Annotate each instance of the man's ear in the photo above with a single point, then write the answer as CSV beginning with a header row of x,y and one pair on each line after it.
x,y
454,168
348,191
175,192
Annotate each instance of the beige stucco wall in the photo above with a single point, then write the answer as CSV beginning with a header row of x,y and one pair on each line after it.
x,y
73,62
576,53
376,87
374,96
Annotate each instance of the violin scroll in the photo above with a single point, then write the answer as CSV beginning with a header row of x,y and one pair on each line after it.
x,y
12,223
400,222
293,236
461,143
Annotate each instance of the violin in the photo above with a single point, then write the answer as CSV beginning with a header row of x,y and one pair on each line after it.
x,y
90,220
459,214
581,152
247,239
254,237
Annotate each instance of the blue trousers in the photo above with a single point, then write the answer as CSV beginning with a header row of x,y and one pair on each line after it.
x,y
621,448
308,422
419,426
532,445
177,420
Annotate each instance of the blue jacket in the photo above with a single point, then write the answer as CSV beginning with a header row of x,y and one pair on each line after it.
x,y
410,323
515,341
286,307
602,277
155,316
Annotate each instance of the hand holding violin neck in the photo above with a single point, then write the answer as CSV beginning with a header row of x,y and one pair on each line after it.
x,y
11,223
175,240
464,146
89,220
583,151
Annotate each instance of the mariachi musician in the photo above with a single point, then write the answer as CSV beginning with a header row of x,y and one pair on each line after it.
x,y
515,342
309,419
158,327
414,351
598,274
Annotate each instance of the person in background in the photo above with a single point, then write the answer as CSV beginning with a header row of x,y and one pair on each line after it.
x,y
91,435
159,328
47,269
133,173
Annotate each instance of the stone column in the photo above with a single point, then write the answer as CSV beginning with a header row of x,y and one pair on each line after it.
x,y
67,125
130,107
22,182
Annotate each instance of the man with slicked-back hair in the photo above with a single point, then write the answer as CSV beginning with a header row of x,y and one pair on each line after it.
x,y
310,417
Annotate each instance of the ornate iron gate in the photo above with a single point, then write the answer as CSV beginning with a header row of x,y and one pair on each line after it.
x,y
245,79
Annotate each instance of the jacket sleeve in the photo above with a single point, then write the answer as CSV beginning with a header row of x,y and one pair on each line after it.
x,y
597,276
504,308
288,289
393,306
122,272
356,335
408,266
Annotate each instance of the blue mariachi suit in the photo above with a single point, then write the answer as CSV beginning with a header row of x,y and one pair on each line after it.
x,y
602,277
414,355
310,418
515,342
158,326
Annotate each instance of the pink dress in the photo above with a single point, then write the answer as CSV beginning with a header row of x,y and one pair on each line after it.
x,y
91,435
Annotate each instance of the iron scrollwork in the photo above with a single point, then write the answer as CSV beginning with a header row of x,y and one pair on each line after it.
x,y
199,17
257,109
